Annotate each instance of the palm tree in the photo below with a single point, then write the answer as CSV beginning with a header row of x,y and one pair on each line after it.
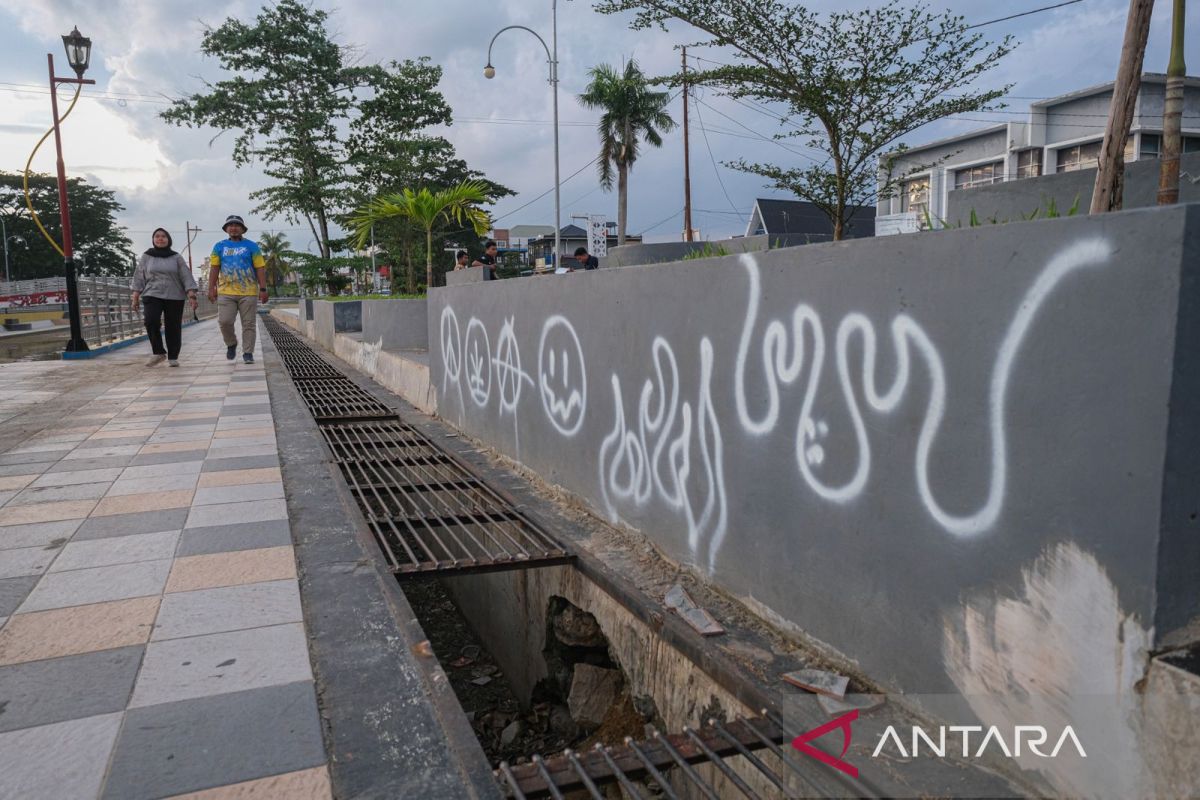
x,y
273,246
631,111
456,204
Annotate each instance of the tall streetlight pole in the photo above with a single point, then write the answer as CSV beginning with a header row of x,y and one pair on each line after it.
x,y
79,54
489,72
1172,140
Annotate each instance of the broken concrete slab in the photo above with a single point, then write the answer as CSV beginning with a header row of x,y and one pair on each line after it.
x,y
593,691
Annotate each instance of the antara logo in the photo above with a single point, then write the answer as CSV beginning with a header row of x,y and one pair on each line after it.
x,y
1032,736
1029,737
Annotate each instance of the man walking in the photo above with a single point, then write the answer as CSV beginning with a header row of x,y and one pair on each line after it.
x,y
237,283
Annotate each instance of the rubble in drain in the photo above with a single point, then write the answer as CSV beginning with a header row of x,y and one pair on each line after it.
x,y
582,701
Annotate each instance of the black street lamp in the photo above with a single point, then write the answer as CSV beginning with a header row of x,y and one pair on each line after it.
x,y
79,51
79,55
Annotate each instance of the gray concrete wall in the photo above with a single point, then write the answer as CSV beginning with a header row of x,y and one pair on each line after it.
x,y
923,451
396,324
331,317
1012,199
658,252
456,277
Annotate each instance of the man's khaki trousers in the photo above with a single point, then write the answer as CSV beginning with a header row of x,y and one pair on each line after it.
x,y
230,308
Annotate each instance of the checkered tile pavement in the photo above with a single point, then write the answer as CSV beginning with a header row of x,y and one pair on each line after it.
x,y
151,637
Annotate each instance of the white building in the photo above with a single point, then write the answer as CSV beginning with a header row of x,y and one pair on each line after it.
x,y
1060,134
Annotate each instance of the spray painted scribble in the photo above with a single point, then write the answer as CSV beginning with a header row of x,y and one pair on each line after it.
x,y
783,359
669,449
655,461
478,351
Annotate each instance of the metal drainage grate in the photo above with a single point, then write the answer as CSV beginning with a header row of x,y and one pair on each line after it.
x,y
340,399
659,758
429,511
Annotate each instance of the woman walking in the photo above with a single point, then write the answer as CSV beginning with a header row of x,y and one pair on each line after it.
x,y
162,283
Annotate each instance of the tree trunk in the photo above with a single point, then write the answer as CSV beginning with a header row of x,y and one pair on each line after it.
x,y
622,200
411,272
1110,175
839,223
428,259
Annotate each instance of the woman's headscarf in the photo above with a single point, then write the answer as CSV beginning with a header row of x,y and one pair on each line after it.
x,y
161,252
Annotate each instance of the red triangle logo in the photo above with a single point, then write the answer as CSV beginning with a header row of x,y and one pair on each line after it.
x,y
801,743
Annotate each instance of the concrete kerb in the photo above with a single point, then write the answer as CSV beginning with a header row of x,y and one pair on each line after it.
x,y
392,725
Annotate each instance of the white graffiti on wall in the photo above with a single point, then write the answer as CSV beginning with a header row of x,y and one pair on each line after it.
x,y
509,374
669,451
783,361
562,375
654,462
478,350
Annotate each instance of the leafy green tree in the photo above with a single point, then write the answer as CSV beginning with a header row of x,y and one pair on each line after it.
x,y
101,246
851,83
383,166
273,246
456,205
631,111
301,105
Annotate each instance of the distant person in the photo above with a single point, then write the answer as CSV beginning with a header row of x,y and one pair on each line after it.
x,y
237,283
460,260
162,283
585,260
487,260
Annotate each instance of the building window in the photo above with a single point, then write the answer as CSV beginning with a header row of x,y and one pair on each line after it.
x,y
1029,163
914,196
1080,156
984,175
1151,145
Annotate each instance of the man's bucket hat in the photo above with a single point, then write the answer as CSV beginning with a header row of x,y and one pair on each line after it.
x,y
233,219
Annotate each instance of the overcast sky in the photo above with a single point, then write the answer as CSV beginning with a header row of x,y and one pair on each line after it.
x,y
145,50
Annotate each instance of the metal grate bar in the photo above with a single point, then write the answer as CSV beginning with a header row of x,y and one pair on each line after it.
x,y
656,757
428,510
340,399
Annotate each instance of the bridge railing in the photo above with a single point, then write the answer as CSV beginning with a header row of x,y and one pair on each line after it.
x,y
107,313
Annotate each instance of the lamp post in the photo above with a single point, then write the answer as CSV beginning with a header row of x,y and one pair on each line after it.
x,y
79,54
489,72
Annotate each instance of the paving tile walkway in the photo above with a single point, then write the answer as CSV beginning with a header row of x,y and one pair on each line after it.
x,y
151,636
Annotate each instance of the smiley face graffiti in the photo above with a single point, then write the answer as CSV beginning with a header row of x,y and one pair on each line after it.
x,y
562,376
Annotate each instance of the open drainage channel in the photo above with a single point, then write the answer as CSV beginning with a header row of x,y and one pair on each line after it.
x,y
434,515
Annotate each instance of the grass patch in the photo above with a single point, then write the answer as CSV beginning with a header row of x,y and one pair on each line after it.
x,y
346,298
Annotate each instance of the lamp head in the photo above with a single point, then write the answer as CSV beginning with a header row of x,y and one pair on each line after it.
x,y
79,51
489,72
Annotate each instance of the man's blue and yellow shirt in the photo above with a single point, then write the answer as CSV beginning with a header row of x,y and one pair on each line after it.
x,y
237,261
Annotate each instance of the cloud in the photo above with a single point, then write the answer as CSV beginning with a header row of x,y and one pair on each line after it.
x,y
146,50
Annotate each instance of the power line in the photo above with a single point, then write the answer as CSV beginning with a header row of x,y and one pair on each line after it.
x,y
758,135
1011,16
712,158
661,222
543,194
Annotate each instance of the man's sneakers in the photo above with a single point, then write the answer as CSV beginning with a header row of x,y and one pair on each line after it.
x,y
172,362
248,358
156,359
231,351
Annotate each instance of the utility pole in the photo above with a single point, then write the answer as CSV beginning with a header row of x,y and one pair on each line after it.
x,y
1172,141
191,234
1110,175
687,166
